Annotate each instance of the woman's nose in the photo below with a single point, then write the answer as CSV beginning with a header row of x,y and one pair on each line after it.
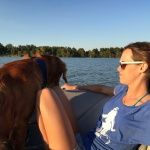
x,y
119,68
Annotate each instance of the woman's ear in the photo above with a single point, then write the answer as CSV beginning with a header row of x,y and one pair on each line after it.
x,y
144,67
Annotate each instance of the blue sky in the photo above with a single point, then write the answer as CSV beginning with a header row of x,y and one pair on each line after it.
x,y
84,24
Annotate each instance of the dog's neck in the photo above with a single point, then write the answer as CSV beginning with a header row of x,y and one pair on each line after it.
x,y
42,65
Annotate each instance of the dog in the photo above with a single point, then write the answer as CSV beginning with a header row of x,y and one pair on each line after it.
x,y
19,82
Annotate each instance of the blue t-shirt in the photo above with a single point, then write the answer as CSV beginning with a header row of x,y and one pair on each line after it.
x,y
120,127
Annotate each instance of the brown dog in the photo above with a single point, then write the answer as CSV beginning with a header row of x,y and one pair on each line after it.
x,y
19,82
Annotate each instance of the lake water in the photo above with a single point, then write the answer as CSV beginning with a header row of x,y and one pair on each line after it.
x,y
82,71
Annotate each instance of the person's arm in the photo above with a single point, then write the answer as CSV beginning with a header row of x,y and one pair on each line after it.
x,y
94,88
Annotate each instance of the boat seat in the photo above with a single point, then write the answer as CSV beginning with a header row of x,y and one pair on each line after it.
x,y
87,107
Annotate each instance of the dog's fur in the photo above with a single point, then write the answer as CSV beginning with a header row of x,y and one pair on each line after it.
x,y
19,82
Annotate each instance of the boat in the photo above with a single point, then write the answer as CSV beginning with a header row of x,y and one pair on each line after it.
x,y
87,107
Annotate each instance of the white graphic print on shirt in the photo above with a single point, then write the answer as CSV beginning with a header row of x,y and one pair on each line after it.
x,y
108,125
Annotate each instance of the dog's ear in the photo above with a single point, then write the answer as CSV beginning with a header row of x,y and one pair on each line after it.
x,y
26,56
64,76
37,54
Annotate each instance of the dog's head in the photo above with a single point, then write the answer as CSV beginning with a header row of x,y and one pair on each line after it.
x,y
55,68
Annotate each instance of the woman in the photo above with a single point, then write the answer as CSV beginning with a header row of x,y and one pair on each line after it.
x,y
125,117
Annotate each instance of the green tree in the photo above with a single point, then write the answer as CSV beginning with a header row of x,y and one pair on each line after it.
x,y
118,52
81,52
14,51
74,52
41,50
9,48
3,49
95,53
87,53
111,52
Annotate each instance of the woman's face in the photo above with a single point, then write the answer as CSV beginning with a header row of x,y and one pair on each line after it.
x,y
128,73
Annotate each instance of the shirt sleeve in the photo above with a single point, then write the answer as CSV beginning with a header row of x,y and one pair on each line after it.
x,y
119,88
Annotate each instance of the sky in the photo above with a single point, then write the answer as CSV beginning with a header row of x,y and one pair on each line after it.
x,y
84,24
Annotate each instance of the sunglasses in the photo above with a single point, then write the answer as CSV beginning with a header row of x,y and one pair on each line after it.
x,y
124,63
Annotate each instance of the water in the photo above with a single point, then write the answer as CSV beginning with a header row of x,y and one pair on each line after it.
x,y
82,71
4,59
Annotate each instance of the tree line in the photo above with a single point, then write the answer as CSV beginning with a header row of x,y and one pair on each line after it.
x,y
9,49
